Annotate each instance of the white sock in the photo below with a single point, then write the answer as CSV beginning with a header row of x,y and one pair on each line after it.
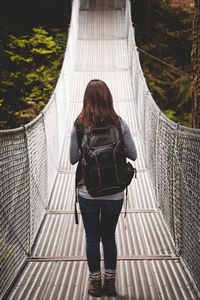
x,y
110,274
95,276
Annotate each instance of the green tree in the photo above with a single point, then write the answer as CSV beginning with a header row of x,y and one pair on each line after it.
x,y
170,39
29,74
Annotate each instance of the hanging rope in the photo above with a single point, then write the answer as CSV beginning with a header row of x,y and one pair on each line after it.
x,y
163,62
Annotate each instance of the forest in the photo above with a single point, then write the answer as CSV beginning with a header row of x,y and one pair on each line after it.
x,y
33,38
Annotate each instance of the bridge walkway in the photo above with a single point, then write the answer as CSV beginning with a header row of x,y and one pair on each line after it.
x,y
148,267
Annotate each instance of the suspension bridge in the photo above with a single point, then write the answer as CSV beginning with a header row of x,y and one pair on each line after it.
x,y
42,251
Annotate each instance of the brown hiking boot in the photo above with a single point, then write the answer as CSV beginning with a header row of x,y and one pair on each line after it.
x,y
108,287
95,288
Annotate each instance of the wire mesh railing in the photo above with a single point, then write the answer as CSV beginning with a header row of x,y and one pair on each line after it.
x,y
29,158
14,205
172,157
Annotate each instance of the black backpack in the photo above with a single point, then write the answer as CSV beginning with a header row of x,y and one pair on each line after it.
x,y
103,165
104,162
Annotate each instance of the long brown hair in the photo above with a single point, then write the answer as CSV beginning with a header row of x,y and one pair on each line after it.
x,y
98,107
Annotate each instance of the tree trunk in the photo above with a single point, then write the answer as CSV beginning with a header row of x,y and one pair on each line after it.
x,y
196,67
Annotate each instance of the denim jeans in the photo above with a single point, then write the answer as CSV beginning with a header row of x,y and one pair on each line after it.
x,y
100,219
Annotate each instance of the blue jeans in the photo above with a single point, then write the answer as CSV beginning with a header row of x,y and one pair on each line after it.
x,y
100,219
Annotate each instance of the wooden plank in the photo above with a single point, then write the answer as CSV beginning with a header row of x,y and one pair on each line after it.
x,y
129,211
119,258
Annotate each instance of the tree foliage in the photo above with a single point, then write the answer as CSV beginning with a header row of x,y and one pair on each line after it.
x,y
30,66
30,63
169,38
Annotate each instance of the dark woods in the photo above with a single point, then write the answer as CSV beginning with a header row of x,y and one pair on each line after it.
x,y
35,13
164,30
142,12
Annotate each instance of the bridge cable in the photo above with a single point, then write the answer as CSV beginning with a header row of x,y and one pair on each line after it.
x,y
163,62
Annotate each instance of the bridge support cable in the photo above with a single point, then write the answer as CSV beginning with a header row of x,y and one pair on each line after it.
x,y
174,174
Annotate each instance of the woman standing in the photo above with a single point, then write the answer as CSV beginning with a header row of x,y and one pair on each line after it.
x,y
99,214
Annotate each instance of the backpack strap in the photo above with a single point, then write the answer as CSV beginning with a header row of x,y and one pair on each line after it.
x,y
75,207
125,208
126,202
77,176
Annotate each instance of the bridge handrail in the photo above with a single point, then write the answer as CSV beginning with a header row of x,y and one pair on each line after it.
x,y
172,153
29,158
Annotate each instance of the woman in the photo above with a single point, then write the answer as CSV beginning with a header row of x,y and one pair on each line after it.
x,y
99,214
